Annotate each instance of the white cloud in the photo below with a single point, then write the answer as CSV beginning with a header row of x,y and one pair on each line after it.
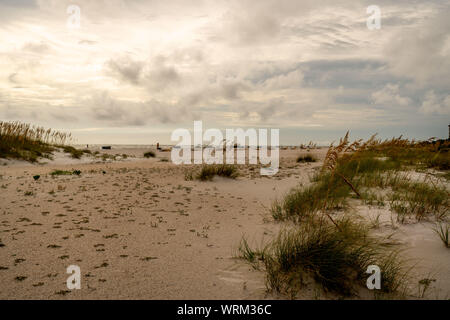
x,y
434,104
390,96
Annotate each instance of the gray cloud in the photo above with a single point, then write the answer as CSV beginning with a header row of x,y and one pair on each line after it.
x,y
278,63
422,52
126,69
155,73
36,47
121,113
251,28
12,77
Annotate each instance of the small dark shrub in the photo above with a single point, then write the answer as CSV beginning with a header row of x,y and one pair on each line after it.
x,y
149,154
307,158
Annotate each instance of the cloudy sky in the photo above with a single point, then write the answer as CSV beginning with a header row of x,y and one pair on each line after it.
x,y
136,70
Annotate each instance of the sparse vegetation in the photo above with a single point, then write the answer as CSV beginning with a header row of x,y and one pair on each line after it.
x,y
335,251
149,154
24,141
323,246
106,156
306,158
208,171
440,161
253,256
303,202
75,153
65,173
60,173
336,256
419,199
442,230
351,169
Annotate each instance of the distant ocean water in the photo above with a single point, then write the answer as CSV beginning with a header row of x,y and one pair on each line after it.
x,y
142,146
128,146
120,146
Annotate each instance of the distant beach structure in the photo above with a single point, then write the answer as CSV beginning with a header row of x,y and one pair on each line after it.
x,y
106,147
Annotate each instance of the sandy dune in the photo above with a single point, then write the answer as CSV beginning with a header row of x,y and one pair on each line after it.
x,y
138,230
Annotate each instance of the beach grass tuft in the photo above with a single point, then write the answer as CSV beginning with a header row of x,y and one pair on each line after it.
x,y
442,230
209,171
30,143
335,256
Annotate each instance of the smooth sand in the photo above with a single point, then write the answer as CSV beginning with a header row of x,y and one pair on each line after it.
x,y
140,231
